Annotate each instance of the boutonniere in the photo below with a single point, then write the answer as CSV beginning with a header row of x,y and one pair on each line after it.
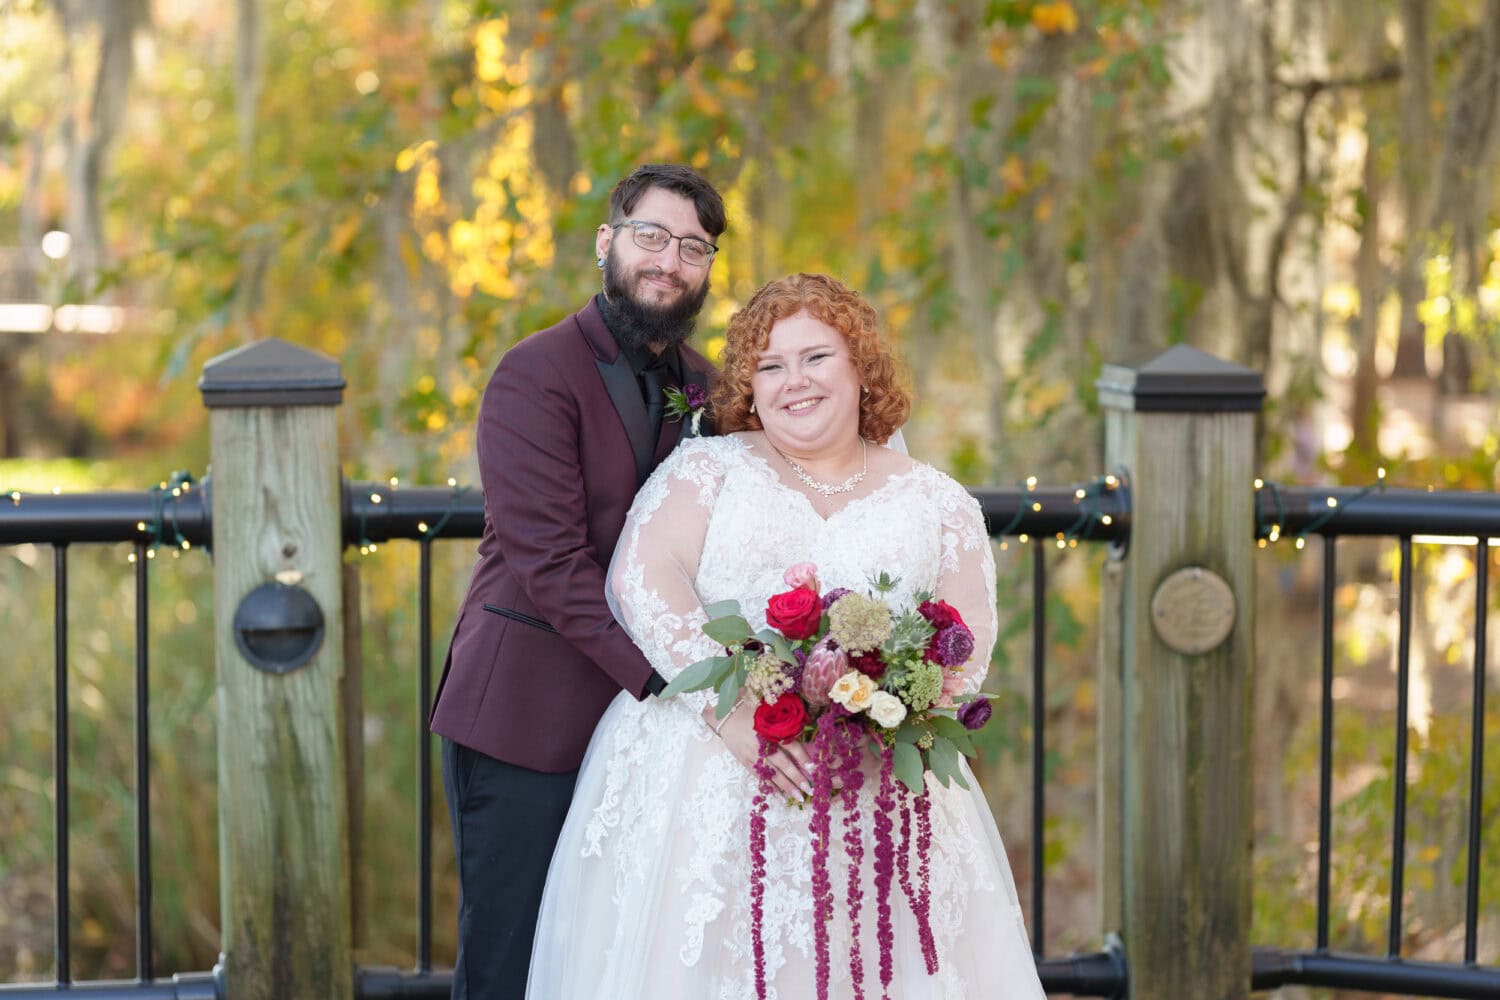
x,y
689,401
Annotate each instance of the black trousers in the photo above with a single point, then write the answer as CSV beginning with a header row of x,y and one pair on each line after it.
x,y
506,821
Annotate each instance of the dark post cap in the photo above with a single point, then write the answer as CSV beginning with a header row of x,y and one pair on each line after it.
x,y
1182,379
271,372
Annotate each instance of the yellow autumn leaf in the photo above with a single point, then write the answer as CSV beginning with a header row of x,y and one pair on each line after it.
x,y
408,157
1055,18
343,234
489,50
1043,210
1013,174
999,51
704,31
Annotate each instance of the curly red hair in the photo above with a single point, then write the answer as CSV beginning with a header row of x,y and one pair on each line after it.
x,y
885,404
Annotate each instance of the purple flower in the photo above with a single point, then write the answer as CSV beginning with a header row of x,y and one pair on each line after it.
x,y
872,665
974,714
833,595
758,806
951,647
696,397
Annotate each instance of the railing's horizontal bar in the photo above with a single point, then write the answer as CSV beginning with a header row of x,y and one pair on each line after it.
x,y
1272,968
1099,974
106,516
394,984
412,512
1047,510
1102,974
183,986
416,512
1358,511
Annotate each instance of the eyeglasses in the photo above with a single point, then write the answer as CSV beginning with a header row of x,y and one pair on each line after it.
x,y
650,236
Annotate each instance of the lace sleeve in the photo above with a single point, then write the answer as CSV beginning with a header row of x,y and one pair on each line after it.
x,y
967,576
658,560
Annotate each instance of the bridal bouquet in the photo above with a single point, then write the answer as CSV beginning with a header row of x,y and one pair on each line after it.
x,y
849,674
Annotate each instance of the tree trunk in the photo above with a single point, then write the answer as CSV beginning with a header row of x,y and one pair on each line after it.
x,y
1371,281
248,72
1416,104
94,125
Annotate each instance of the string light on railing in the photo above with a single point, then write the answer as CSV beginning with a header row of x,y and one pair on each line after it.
x,y
422,527
1270,523
56,490
15,498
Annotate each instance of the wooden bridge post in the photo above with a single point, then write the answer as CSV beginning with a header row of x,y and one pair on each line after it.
x,y
278,643
1176,676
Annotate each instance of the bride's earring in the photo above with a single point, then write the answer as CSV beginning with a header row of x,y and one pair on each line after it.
x,y
752,406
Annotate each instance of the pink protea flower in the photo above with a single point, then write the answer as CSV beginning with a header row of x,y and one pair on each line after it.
x,y
825,665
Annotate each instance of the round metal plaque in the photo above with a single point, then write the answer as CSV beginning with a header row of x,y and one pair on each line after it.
x,y
1193,610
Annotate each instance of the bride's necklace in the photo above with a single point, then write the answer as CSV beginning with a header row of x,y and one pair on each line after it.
x,y
828,489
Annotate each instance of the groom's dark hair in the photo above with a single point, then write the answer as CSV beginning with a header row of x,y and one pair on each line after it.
x,y
672,177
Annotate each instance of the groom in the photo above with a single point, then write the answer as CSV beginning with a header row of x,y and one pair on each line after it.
x,y
570,426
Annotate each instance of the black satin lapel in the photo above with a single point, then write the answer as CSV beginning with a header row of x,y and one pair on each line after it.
x,y
620,382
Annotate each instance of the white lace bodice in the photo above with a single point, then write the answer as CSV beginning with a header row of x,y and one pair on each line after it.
x,y
715,522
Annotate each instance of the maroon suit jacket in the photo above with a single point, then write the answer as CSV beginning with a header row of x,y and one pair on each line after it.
x,y
563,446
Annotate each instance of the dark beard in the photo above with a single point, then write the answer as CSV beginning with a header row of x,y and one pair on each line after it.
x,y
642,326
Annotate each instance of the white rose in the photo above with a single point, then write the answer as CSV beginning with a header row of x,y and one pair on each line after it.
x,y
886,709
853,690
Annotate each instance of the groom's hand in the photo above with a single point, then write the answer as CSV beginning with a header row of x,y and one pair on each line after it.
x,y
790,764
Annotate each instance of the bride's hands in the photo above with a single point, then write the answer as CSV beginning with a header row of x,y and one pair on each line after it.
x,y
790,764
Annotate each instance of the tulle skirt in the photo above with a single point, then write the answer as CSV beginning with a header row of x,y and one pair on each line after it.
x,y
648,895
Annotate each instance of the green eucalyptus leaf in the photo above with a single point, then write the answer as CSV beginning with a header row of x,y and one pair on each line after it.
x,y
728,630
722,609
943,758
907,765
729,693
778,644
954,731
697,676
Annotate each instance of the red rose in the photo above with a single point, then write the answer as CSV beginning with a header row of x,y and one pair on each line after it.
x,y
795,614
940,613
782,720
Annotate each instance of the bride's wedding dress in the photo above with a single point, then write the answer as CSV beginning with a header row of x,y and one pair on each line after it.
x,y
648,895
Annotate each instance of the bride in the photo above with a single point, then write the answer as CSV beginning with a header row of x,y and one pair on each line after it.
x,y
649,893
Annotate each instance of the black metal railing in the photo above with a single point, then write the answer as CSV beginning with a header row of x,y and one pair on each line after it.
x,y
178,514
1406,515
